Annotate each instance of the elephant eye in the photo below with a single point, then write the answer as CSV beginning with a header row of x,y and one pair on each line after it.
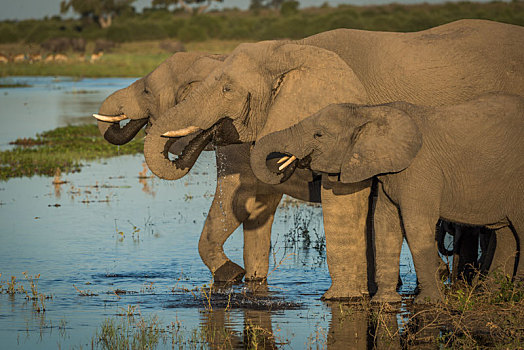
x,y
226,88
318,135
146,91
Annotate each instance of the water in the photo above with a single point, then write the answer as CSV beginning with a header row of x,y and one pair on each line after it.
x,y
107,230
50,102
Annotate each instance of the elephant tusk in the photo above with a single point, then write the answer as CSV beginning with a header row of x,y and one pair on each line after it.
x,y
283,159
289,161
181,132
109,118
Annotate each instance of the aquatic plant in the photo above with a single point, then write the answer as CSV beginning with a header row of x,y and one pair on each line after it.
x,y
64,148
84,293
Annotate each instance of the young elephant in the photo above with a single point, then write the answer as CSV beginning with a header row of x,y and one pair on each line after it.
x,y
464,163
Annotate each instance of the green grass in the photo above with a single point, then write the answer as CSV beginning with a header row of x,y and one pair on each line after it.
x,y
63,148
128,60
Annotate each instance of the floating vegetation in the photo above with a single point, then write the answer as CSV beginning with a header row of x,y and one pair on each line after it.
x,y
12,287
14,85
84,293
64,148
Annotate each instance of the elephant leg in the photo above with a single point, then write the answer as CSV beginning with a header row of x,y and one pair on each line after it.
x,y
517,224
505,252
345,209
419,224
226,214
488,242
257,235
468,247
388,245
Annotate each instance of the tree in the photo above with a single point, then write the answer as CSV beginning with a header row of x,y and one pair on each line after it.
x,y
260,4
185,4
101,11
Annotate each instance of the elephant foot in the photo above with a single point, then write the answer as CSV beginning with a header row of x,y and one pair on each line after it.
x,y
385,297
255,280
343,294
229,273
425,297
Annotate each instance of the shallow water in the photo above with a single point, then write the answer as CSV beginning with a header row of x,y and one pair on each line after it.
x,y
107,230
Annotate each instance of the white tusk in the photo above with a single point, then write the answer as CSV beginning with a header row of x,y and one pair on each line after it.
x,y
289,161
110,119
181,132
283,159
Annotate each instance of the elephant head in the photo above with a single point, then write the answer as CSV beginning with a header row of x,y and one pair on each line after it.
x,y
147,98
354,142
260,88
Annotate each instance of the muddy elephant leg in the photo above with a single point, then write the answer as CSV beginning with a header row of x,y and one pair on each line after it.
x,y
257,235
505,252
345,209
388,245
227,212
220,224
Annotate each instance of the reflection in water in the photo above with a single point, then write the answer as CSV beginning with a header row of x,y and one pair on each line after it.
x,y
352,326
361,328
143,179
58,182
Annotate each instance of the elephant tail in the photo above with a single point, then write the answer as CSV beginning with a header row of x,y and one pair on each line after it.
x,y
440,234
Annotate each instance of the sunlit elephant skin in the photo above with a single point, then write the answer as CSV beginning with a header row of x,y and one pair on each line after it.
x,y
240,199
268,86
463,163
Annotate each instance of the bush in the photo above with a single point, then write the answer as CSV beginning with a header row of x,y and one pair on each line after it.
x,y
192,32
136,31
8,33
289,7
211,25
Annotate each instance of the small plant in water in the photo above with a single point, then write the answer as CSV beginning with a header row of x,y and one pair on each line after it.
x,y
84,293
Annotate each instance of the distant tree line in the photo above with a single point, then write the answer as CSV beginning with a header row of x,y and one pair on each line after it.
x,y
169,20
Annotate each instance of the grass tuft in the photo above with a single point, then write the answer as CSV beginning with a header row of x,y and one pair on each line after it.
x,y
63,148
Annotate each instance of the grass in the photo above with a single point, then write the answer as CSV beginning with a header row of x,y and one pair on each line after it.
x,y
132,59
64,148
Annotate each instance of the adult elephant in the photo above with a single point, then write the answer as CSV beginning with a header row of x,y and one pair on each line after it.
x,y
268,86
240,199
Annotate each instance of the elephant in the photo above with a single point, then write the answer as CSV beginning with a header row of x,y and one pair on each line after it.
x,y
268,86
463,163
465,253
240,199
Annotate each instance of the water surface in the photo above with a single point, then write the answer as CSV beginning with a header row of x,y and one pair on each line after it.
x,y
107,231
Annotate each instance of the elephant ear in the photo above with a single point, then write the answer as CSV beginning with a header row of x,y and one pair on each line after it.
x,y
386,140
306,79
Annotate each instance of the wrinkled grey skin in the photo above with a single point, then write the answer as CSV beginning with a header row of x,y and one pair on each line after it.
x,y
240,199
268,86
463,163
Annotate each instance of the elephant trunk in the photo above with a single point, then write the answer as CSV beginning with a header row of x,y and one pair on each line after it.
x,y
121,104
117,135
156,151
265,154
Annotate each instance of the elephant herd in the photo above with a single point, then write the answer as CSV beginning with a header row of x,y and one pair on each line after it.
x,y
433,121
